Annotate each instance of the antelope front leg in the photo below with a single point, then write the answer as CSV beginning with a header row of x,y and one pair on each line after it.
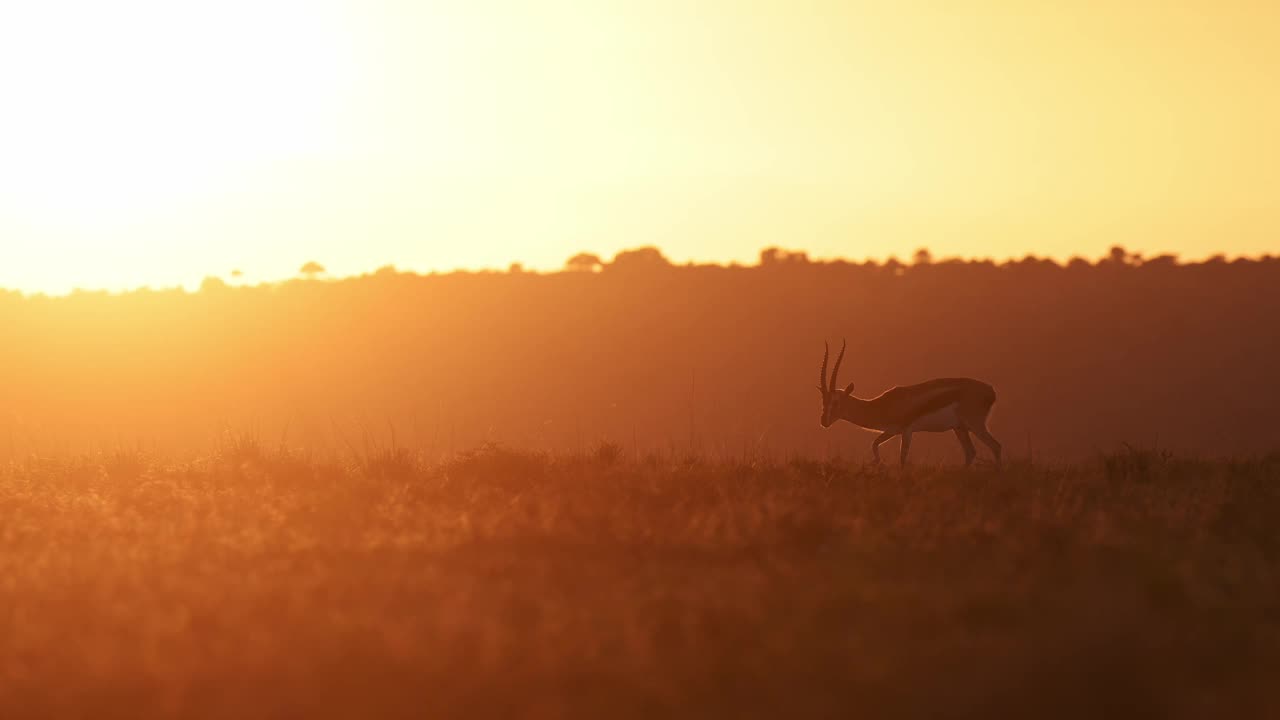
x,y
906,447
875,445
967,445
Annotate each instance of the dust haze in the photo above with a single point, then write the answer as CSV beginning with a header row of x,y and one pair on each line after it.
x,y
654,357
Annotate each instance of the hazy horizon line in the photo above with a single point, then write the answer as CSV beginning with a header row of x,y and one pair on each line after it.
x,y
237,278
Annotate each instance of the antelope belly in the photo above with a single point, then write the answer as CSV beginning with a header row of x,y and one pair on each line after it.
x,y
937,421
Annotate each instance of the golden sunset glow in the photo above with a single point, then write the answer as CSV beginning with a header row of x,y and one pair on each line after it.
x,y
456,358
155,143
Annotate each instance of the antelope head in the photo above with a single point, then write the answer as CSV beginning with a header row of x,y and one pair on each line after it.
x,y
831,394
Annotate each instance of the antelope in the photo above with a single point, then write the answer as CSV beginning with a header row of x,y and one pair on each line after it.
x,y
957,404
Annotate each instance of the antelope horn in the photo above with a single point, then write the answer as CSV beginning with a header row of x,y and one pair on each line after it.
x,y
822,376
835,372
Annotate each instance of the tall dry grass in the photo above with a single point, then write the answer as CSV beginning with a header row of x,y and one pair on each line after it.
x,y
257,582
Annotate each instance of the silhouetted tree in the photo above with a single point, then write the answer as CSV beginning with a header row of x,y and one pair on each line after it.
x,y
640,260
1119,257
237,273
772,256
212,284
1161,261
515,268
584,262
311,269
922,257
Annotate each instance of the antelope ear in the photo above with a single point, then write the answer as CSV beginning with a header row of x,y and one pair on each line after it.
x,y
848,389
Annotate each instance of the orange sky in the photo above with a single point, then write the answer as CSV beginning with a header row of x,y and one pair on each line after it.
x,y
150,142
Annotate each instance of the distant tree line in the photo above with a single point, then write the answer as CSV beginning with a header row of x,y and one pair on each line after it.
x,y
649,258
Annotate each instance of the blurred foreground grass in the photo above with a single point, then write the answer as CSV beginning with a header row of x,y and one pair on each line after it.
x,y
257,583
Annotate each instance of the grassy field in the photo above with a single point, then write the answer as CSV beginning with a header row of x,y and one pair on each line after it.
x,y
261,583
